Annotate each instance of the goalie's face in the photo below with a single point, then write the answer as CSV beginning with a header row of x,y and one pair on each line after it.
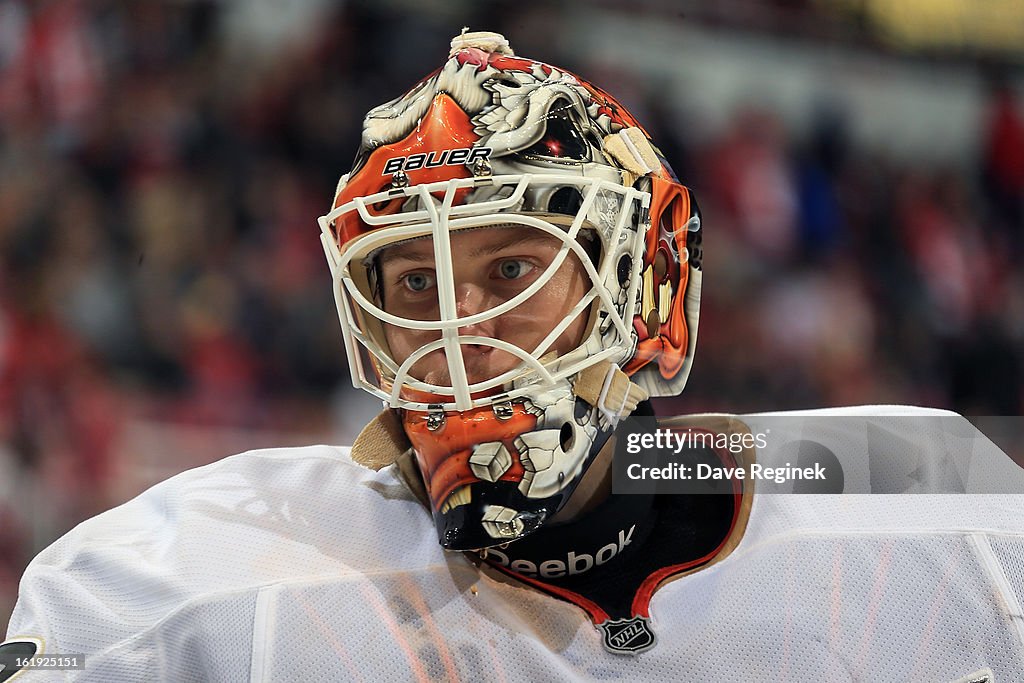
x,y
490,267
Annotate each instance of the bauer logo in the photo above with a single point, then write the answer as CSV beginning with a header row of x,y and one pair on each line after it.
x,y
445,157
628,636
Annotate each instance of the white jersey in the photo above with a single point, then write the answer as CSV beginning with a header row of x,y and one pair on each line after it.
x,y
297,564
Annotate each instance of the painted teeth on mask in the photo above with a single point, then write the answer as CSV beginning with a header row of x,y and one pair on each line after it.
x,y
664,301
490,460
460,496
648,293
502,522
532,409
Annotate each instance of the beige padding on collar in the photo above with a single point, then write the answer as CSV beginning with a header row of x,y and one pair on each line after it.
x,y
381,442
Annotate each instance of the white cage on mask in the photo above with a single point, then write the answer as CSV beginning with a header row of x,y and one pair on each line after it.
x,y
616,213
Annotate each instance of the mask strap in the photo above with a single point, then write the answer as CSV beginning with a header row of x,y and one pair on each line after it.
x,y
609,389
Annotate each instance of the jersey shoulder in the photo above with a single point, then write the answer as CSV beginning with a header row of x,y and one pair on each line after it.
x,y
231,527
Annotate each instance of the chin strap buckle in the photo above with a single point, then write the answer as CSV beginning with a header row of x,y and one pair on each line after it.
x,y
503,411
436,418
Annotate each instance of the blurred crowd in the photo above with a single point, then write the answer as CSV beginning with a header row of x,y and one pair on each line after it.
x,y
160,261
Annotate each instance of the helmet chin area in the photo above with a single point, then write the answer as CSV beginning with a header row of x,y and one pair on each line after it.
x,y
496,475
483,514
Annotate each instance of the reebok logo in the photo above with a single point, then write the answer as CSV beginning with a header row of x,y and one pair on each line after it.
x,y
574,563
447,157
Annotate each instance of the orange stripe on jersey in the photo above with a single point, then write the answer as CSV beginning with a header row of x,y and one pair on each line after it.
x,y
330,635
876,596
415,596
924,649
415,665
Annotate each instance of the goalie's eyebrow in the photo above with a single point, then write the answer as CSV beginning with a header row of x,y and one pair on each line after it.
x,y
421,252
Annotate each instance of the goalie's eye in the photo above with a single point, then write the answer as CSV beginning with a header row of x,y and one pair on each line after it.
x,y
419,281
513,269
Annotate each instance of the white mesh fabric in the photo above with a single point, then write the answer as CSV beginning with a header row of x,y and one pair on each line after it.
x,y
1009,555
418,626
845,607
206,640
242,522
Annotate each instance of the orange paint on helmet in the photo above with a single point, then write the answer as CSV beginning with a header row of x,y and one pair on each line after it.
x,y
668,347
610,106
443,455
444,126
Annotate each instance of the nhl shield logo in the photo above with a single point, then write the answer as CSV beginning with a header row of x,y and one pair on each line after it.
x,y
628,636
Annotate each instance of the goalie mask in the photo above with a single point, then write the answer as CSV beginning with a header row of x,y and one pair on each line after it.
x,y
515,268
